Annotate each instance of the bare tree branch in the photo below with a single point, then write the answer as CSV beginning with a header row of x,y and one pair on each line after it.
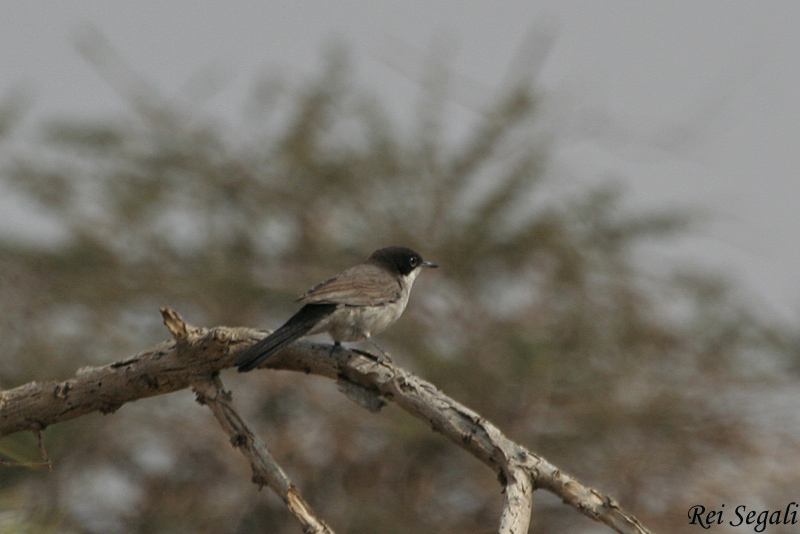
x,y
517,502
266,470
198,353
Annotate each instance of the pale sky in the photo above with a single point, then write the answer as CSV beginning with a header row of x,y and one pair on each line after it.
x,y
701,95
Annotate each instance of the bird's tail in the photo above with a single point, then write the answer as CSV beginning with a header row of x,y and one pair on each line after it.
x,y
296,327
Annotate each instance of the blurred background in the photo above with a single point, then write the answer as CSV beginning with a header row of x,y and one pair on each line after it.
x,y
610,190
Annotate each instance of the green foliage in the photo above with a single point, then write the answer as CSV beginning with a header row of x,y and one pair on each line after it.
x,y
539,318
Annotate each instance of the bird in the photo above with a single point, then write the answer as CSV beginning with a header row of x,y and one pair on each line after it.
x,y
354,305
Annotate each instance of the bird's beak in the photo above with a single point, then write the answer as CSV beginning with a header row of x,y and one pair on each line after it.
x,y
429,264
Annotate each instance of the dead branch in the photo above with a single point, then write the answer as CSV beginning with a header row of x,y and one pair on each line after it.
x,y
195,354
266,471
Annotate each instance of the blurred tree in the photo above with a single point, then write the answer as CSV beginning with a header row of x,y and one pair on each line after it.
x,y
539,319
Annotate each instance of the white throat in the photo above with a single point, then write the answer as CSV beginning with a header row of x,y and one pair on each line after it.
x,y
410,277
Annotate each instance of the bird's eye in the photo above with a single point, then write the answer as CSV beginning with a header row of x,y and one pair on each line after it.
x,y
413,261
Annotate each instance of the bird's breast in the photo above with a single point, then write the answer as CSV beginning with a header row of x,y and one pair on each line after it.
x,y
356,323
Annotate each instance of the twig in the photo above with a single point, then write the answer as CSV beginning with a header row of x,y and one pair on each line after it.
x,y
42,451
37,434
266,471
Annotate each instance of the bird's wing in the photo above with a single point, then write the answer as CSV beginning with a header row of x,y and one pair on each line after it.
x,y
363,285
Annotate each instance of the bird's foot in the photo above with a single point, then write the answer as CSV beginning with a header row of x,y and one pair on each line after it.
x,y
378,359
386,357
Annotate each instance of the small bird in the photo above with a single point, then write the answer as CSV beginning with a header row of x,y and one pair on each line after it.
x,y
354,305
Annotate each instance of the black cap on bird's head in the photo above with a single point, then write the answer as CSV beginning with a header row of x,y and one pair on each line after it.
x,y
401,260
